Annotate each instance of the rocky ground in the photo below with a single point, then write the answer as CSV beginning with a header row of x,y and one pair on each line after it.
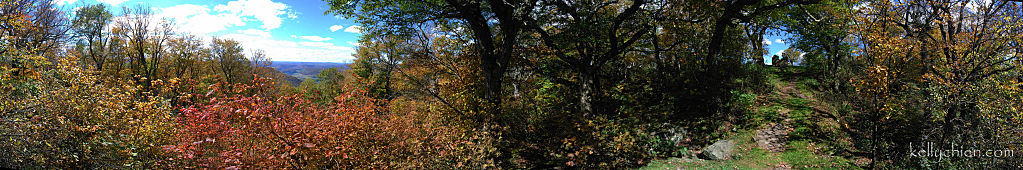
x,y
792,129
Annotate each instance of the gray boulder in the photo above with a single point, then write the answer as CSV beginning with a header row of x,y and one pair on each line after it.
x,y
720,150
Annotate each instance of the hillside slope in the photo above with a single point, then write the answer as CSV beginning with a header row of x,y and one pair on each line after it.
x,y
304,70
790,127
280,76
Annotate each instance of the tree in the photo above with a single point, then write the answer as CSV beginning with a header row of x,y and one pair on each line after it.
x,y
186,63
259,60
821,31
136,31
528,44
717,63
937,54
777,61
90,23
493,49
792,56
329,82
31,34
586,39
307,85
186,54
78,123
158,46
230,60
376,62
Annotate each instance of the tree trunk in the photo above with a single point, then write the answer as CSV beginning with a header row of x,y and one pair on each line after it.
x,y
587,80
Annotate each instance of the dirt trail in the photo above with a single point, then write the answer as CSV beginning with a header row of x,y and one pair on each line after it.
x,y
772,138
790,90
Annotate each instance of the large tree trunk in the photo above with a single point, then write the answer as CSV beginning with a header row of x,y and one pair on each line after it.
x,y
587,80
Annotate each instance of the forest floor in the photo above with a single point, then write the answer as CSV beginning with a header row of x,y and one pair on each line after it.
x,y
787,128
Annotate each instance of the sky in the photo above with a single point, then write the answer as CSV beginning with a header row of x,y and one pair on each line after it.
x,y
296,30
775,45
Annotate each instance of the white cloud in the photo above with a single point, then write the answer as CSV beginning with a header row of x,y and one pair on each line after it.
x,y
976,6
64,2
325,45
112,2
201,19
230,21
282,50
265,11
198,19
256,32
767,42
315,38
354,44
292,14
354,29
334,28
779,41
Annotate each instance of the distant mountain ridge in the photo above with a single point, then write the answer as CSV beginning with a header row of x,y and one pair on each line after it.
x,y
303,70
278,75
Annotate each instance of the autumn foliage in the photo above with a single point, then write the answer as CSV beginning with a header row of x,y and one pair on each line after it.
x,y
239,130
515,85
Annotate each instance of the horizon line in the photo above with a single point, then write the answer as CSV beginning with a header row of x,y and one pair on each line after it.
x,y
312,62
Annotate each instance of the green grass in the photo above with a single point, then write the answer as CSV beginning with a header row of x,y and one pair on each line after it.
x,y
797,103
798,155
801,156
809,143
763,115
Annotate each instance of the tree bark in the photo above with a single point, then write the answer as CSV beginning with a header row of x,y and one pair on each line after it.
x,y
588,82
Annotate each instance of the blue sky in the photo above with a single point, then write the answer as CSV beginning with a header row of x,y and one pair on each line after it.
x,y
287,30
775,45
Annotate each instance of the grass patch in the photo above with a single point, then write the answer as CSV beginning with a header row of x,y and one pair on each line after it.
x,y
763,115
799,155
796,103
